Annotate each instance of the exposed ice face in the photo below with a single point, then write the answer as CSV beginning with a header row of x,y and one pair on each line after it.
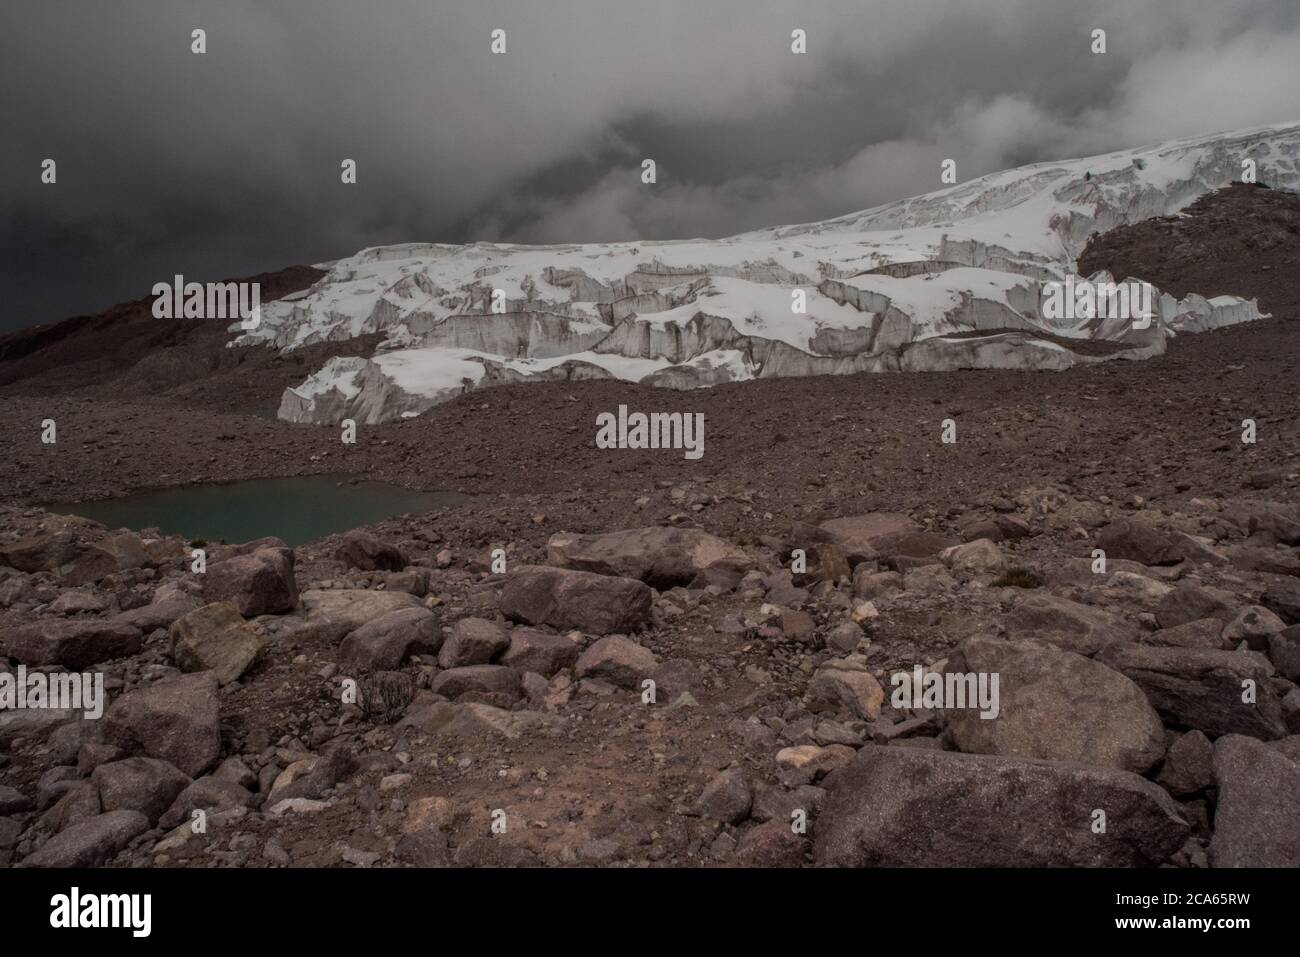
x,y
948,280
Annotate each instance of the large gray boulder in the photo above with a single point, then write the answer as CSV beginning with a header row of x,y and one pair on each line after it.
x,y
347,609
1075,627
1257,821
215,638
76,645
91,842
909,807
388,641
1204,689
258,584
146,785
1056,705
660,557
176,720
564,598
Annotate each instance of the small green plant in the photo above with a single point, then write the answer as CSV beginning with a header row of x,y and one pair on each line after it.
x,y
1018,578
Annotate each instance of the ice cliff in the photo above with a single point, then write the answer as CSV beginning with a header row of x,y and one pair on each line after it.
x,y
949,280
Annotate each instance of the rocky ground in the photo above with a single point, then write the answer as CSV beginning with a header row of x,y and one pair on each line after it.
x,y
503,717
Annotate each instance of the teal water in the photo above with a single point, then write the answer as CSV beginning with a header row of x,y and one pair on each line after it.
x,y
297,510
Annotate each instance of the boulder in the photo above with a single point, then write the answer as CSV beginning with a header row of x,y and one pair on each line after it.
x,y
349,608
215,638
910,807
1187,769
660,557
1253,625
1283,599
146,785
540,651
160,614
1139,541
365,552
1068,624
1203,689
176,720
1191,602
490,684
1275,520
1257,819
727,798
564,598
1056,705
76,645
472,641
845,686
1284,652
860,536
208,793
1202,633
617,660
385,643
972,559
90,842
258,584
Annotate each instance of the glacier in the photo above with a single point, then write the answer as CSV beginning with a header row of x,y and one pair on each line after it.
x,y
949,280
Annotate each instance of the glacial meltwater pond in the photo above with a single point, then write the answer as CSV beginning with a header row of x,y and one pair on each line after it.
x,y
296,510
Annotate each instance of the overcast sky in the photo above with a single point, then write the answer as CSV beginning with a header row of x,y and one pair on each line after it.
x,y
227,163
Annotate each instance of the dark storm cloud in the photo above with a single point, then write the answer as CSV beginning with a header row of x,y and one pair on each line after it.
x,y
228,163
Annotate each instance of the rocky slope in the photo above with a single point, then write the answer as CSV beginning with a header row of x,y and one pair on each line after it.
x,y
662,696
950,280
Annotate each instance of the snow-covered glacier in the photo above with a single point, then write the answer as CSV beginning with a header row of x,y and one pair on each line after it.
x,y
950,280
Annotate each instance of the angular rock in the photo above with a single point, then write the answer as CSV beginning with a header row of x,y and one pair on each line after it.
x,y
563,598
660,557
258,584
860,536
159,614
176,720
1284,652
727,798
385,643
1203,689
350,608
209,793
1253,625
215,638
1202,633
1257,820
490,684
1190,602
1073,626
1141,542
980,557
617,660
1187,768
844,686
1283,599
1056,705
907,807
367,553
91,842
76,645
540,652
146,785
472,641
